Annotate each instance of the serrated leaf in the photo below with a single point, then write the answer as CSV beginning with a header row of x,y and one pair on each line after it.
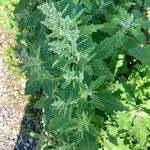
x,y
33,85
69,8
87,30
139,35
106,102
40,104
85,44
141,53
88,143
108,46
95,84
48,86
100,68
70,92
59,121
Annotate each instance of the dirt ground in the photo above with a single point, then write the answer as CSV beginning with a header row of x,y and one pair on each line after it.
x,y
12,106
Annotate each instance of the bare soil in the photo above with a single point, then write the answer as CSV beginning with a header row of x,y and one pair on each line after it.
x,y
12,101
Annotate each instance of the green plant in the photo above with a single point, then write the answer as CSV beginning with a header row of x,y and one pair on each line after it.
x,y
8,31
82,60
130,127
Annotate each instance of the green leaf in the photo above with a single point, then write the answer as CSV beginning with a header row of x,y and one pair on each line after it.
x,y
124,120
141,53
84,65
139,35
89,70
97,119
106,102
59,122
147,105
44,104
100,68
123,12
70,93
139,2
142,133
107,47
78,15
48,87
119,145
88,143
87,30
33,85
87,4
97,2
67,7
129,89
146,4
95,84
45,53
86,44
143,23
40,104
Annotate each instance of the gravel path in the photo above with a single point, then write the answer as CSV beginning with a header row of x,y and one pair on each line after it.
x,y
12,105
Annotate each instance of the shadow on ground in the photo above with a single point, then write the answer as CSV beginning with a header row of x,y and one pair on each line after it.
x,y
30,123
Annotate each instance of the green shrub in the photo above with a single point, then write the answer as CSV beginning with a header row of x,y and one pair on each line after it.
x,y
89,61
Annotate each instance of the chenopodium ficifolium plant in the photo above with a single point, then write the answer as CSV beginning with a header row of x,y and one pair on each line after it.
x,y
75,80
130,129
72,97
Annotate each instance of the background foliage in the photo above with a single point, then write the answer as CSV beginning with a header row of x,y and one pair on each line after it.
x,y
8,32
88,62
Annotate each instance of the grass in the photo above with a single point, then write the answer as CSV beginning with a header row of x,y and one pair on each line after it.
x,y
8,33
